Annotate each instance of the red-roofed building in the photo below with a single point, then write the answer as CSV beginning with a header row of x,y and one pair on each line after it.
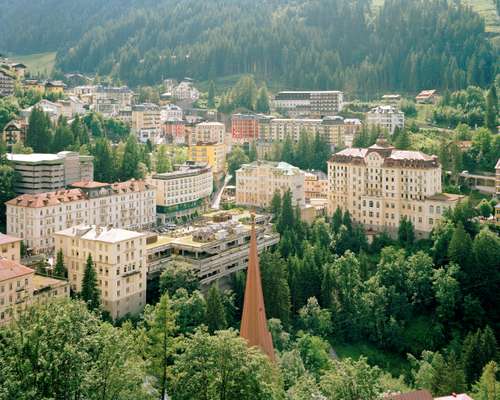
x,y
36,217
15,288
20,286
426,96
10,247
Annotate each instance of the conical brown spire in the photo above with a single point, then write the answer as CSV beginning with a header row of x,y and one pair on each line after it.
x,y
254,322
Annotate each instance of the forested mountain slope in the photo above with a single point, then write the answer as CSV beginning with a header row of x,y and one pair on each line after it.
x,y
403,45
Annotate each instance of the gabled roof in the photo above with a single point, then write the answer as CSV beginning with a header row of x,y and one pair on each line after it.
x,y
498,164
48,198
11,270
416,395
6,239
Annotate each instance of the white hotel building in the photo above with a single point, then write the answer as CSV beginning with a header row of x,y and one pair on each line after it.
x,y
386,117
257,182
183,191
35,218
380,185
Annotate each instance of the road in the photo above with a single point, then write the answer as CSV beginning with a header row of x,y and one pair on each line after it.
x,y
218,195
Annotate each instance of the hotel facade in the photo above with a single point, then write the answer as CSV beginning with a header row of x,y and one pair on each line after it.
x,y
380,185
35,218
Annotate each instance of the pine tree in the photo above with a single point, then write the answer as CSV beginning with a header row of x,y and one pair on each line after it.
x,y
287,217
161,326
403,142
60,270
275,287
63,137
90,292
216,315
337,219
38,134
406,233
488,387
131,159
276,205
460,248
211,95
492,109
262,105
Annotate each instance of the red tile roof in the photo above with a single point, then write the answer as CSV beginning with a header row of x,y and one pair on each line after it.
x,y
48,198
417,395
5,239
88,184
10,270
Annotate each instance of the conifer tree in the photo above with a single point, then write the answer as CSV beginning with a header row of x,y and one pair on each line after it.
x,y
160,321
460,248
276,205
262,105
216,315
60,270
492,109
131,159
337,219
38,134
211,95
90,292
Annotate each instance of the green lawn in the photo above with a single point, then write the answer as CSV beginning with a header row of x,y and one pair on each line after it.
x,y
41,63
390,362
486,8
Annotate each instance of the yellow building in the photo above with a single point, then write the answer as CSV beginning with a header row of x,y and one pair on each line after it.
x,y
119,258
213,154
56,87
10,247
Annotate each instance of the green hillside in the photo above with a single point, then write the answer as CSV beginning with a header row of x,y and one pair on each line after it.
x,y
359,46
41,63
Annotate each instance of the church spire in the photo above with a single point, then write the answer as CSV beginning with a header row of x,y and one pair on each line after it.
x,y
253,322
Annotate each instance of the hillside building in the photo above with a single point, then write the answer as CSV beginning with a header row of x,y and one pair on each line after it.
x,y
183,192
386,117
380,185
257,182
119,258
36,217
40,172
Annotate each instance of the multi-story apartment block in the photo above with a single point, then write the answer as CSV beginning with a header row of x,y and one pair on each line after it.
x,y
54,110
185,91
213,154
245,128
170,112
336,131
35,218
7,80
182,192
10,248
175,131
71,107
315,185
145,116
215,248
119,258
20,287
146,122
110,100
257,182
14,132
209,132
40,173
380,185
306,103
386,117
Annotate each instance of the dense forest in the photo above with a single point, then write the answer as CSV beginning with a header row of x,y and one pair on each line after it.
x,y
404,45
